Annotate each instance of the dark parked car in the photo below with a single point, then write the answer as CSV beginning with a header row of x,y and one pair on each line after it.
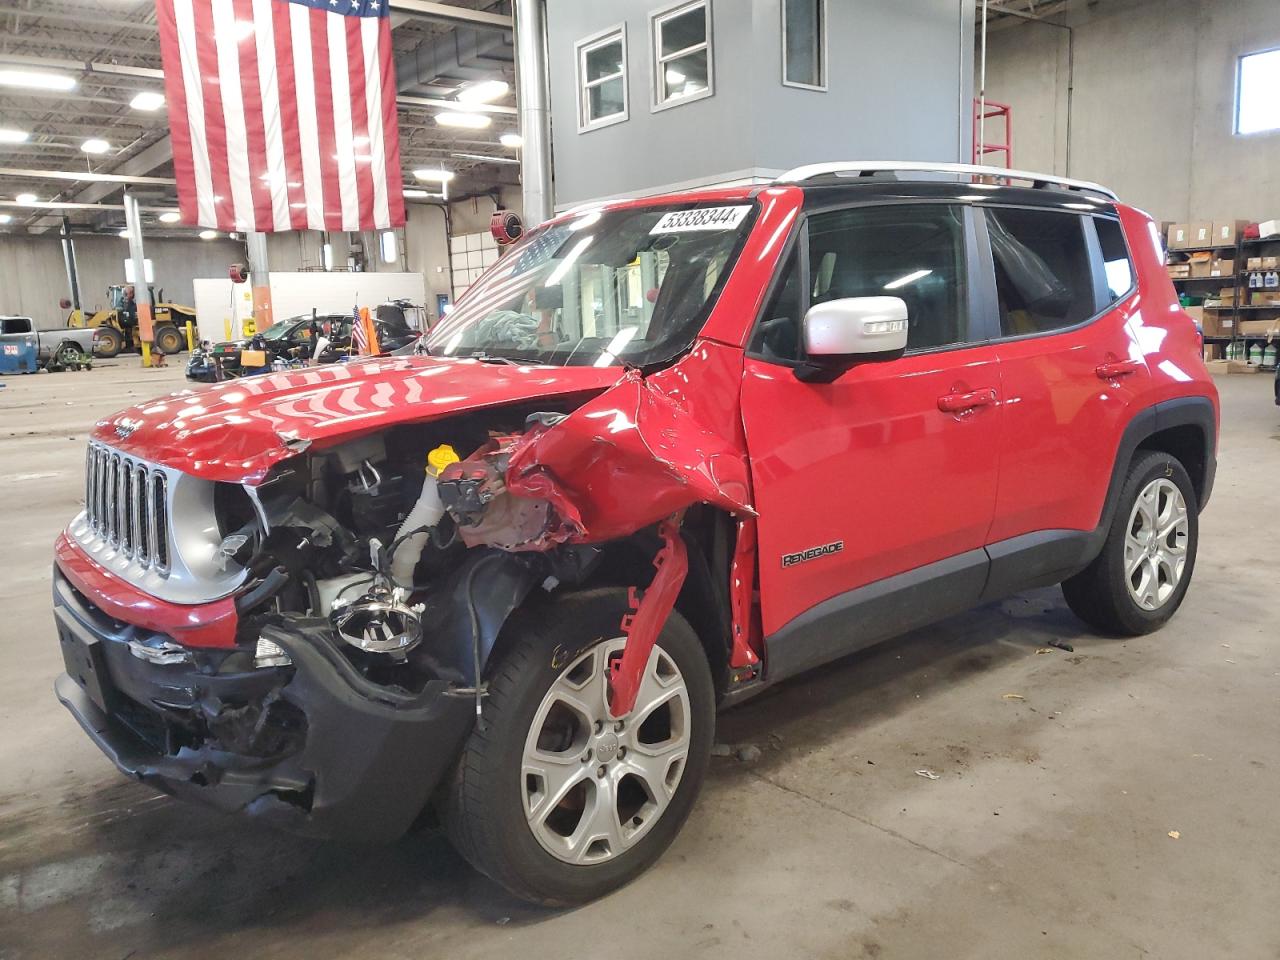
x,y
294,339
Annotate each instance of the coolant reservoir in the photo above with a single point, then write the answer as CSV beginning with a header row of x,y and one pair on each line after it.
x,y
441,457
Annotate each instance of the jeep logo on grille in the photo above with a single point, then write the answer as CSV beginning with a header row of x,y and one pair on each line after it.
x,y
124,429
813,553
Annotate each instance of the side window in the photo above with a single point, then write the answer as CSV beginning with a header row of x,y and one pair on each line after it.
x,y
1117,268
15,325
1043,281
914,252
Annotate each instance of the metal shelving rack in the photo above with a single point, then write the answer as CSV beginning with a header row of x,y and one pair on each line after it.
x,y
1239,280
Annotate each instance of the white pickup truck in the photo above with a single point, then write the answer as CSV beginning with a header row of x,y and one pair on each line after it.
x,y
61,349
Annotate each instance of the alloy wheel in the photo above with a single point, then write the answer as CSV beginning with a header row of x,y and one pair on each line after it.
x,y
1155,544
593,785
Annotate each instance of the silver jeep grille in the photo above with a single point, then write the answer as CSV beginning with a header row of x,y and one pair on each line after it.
x,y
126,506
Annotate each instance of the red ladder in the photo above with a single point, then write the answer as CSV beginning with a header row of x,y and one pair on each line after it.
x,y
980,147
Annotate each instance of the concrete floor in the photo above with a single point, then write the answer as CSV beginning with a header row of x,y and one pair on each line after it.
x,y
1047,833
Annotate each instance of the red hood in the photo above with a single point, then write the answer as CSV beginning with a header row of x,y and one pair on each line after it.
x,y
235,431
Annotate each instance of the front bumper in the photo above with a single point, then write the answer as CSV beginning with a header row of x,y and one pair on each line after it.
x,y
314,747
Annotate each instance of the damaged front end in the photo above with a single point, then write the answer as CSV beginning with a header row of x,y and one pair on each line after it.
x,y
377,575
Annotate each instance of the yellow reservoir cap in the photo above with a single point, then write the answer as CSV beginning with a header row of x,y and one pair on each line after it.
x,y
441,457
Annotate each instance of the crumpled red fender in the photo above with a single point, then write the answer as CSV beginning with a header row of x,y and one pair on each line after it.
x,y
624,460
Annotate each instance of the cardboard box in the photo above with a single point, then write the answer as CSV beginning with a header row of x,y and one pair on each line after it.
x,y
1178,236
1260,328
1242,366
1195,313
1228,294
1222,267
1218,323
1202,233
1201,264
1212,351
1218,366
1270,263
1265,298
1253,263
1225,232
1179,271
1269,228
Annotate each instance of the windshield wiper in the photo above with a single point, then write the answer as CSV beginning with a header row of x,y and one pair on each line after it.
x,y
512,361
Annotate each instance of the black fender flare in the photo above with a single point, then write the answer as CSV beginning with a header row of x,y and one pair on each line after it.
x,y
1195,411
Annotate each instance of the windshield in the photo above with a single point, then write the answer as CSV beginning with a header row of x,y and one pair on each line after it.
x,y
281,328
602,289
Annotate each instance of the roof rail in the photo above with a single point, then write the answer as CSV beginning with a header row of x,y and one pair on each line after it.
x,y
864,168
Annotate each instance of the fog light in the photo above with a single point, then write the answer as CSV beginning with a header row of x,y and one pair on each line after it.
x,y
269,654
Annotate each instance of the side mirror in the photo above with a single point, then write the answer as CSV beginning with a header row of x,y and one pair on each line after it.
x,y
839,333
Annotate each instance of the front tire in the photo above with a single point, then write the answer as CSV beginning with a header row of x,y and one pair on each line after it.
x,y
551,797
168,340
1139,579
107,342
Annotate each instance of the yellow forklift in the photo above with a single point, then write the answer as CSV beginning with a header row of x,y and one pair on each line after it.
x,y
118,324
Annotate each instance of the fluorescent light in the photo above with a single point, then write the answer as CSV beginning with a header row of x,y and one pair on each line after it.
x,y
326,255
148,100
413,193
170,216
124,235
13,136
5,218
911,277
512,140
469,121
95,145
36,80
484,158
433,175
208,234
486,91
27,198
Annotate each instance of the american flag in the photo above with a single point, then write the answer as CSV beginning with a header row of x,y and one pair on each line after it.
x,y
359,335
282,113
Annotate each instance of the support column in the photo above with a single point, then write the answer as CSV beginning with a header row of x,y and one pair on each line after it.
x,y
141,291
531,99
69,258
260,279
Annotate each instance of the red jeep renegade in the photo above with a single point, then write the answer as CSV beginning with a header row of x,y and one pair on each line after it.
x,y
665,453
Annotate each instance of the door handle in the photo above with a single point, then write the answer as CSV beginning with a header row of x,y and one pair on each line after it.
x,y
1114,369
960,402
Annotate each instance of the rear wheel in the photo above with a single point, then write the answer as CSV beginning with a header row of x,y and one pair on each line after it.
x,y
1139,579
168,339
555,799
107,342
69,356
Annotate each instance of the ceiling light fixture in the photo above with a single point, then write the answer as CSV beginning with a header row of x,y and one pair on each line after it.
x,y
170,216
95,145
5,218
434,176
484,158
147,100
27,198
208,234
8,135
485,91
36,80
123,235
512,140
413,193
467,121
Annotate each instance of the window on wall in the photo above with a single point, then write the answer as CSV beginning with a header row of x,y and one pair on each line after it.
x,y
804,43
1043,279
682,54
1258,92
602,79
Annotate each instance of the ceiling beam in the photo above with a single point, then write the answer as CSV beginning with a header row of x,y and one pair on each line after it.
x,y
85,177
447,13
40,13
84,66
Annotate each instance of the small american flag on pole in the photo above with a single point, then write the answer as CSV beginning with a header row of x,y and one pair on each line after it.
x,y
283,113
359,335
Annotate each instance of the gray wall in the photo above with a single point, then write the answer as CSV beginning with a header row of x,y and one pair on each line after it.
x,y
33,279
1153,107
898,88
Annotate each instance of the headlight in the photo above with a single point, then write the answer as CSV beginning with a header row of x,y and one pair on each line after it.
x,y
270,654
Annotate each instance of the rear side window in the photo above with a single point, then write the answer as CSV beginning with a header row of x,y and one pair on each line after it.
x,y
1117,268
1043,281
15,325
